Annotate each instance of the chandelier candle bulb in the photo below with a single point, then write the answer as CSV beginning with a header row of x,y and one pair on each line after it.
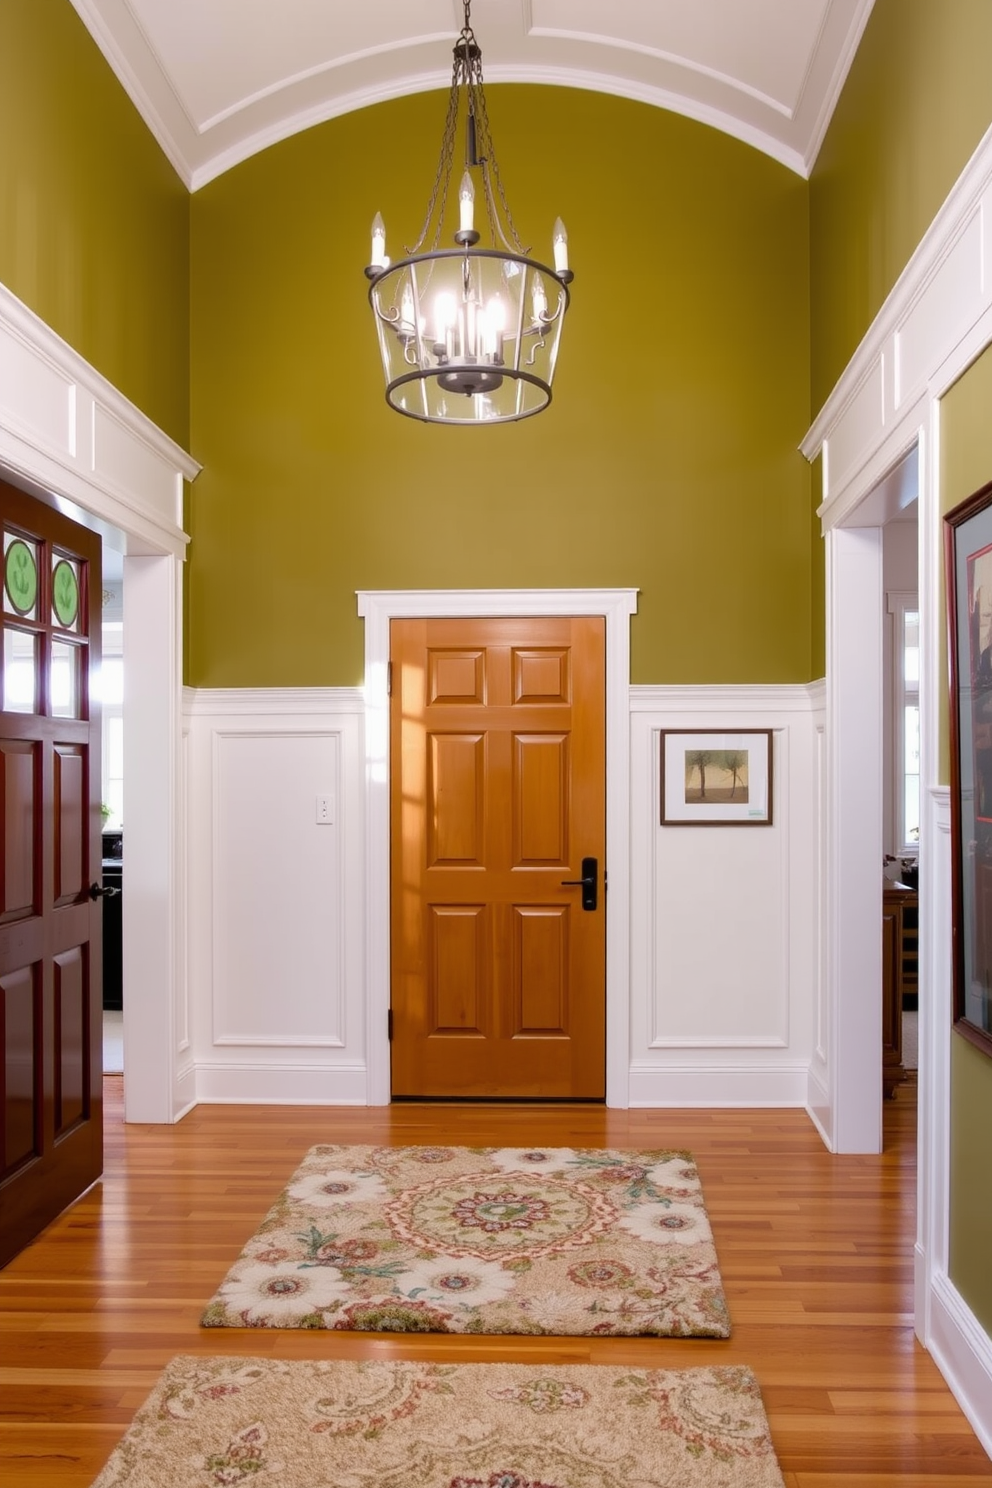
x,y
407,312
561,246
466,204
444,320
540,302
378,259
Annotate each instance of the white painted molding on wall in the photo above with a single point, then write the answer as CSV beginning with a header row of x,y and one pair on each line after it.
x,y
935,321
66,429
725,911
276,901
730,1085
738,699
963,1353
272,702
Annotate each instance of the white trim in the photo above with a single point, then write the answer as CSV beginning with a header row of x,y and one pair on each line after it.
x,y
935,322
69,436
240,1082
738,699
65,428
202,149
963,1353
378,608
277,702
696,1086
853,899
317,1026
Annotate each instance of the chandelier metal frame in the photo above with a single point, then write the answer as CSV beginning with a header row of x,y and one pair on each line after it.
x,y
470,334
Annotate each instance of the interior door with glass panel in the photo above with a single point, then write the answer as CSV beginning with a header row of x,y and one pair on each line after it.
x,y
50,914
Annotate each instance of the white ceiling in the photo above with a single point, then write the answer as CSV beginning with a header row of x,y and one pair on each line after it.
x,y
218,80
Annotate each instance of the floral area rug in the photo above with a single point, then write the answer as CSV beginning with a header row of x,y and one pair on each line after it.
x,y
219,1423
482,1240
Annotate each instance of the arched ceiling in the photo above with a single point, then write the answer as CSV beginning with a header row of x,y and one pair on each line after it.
x,y
218,80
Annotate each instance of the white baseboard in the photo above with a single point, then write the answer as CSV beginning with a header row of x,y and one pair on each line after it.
x,y
817,1100
962,1351
271,1084
718,1085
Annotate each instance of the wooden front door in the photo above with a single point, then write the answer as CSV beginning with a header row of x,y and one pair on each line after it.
x,y
50,968
498,793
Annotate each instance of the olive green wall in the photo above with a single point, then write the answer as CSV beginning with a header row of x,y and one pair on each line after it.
x,y
916,103
668,459
971,1192
94,222
965,465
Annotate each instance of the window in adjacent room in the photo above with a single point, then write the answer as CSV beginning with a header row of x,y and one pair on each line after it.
x,y
904,609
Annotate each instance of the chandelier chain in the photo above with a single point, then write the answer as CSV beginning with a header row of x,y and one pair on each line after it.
x,y
442,177
491,176
467,73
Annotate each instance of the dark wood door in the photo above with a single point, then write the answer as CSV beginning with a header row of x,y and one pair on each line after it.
x,y
50,968
498,750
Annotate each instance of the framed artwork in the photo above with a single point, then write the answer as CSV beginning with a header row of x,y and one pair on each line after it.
x,y
715,779
968,554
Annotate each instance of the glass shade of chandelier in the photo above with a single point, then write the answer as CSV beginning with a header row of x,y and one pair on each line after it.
x,y
468,334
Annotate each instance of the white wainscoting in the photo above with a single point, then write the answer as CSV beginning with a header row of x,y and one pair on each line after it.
x,y
722,954
720,934
276,898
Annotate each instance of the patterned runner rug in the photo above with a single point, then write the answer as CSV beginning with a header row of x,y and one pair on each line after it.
x,y
482,1240
392,1424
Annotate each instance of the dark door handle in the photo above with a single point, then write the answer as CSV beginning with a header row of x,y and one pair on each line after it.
x,y
98,892
589,883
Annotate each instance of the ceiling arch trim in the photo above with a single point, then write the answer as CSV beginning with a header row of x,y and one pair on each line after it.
x,y
213,96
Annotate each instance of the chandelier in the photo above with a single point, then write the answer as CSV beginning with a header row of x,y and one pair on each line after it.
x,y
469,334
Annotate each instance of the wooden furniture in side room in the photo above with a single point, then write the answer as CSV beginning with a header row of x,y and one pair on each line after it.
x,y
899,921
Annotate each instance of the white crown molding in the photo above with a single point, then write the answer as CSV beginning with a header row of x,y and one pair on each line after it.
x,y
836,86
106,38
548,76
200,149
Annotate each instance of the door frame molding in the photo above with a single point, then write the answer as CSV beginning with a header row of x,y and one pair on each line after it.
x,y
378,607
73,440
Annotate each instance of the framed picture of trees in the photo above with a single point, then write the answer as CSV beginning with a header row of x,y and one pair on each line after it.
x,y
715,779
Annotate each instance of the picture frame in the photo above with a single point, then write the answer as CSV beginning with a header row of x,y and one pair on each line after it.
x,y
716,778
968,570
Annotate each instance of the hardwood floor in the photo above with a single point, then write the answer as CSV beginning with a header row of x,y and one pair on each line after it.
x,y
815,1252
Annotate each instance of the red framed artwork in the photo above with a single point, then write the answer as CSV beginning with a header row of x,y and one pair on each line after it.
x,y
968,555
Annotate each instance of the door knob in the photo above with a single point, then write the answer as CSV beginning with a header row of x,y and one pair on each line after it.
x,y
589,883
97,891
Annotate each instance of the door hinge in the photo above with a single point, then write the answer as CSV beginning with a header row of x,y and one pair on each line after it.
x,y
389,1025
389,679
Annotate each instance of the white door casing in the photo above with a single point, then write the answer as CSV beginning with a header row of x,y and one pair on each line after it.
x,y
378,607
70,438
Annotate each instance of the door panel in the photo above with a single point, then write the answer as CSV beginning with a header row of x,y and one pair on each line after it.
x,y
50,954
498,790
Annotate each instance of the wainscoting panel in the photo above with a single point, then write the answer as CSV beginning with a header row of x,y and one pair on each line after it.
x,y
722,917
276,816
